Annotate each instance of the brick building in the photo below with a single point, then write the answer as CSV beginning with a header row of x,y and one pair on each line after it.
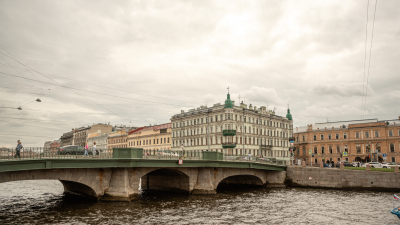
x,y
357,140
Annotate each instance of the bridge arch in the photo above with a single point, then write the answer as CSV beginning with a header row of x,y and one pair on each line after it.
x,y
166,179
73,180
232,176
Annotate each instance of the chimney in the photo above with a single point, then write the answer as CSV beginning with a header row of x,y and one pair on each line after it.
x,y
325,128
250,106
340,127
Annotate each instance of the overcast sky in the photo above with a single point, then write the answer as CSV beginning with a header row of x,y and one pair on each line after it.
x,y
140,62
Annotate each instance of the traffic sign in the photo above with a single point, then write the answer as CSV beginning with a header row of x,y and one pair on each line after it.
x,y
344,153
309,152
180,161
384,155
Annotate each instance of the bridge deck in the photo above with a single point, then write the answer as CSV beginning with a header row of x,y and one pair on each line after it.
x,y
62,163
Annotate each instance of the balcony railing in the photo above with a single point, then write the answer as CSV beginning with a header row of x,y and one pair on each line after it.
x,y
229,132
229,144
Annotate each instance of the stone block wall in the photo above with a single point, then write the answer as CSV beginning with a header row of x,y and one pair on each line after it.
x,y
346,179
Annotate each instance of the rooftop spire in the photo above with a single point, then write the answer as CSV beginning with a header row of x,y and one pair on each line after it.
x,y
228,102
288,115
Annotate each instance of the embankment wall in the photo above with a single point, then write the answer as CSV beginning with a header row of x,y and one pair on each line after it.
x,y
297,176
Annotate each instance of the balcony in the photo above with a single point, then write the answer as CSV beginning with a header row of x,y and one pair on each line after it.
x,y
229,144
229,132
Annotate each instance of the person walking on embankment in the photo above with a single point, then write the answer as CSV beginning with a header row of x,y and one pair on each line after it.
x,y
18,150
86,150
94,150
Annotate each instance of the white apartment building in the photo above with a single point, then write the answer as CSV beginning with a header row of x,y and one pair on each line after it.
x,y
234,130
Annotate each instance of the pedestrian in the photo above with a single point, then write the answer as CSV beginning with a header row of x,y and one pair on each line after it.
x,y
86,150
328,163
18,149
333,163
94,148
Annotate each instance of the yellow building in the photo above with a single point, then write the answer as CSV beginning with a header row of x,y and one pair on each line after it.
x,y
151,139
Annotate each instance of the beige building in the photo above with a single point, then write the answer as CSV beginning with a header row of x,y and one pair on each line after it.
x,y
81,134
117,139
232,129
357,140
151,139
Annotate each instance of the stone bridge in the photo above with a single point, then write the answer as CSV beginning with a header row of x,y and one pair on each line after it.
x,y
119,179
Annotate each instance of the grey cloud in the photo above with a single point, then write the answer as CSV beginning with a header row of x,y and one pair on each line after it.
x,y
307,54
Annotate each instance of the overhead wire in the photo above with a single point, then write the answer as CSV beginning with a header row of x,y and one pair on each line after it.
x,y
64,86
94,92
113,88
370,55
365,61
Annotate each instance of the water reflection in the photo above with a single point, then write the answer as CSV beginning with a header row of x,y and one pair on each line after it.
x,y
43,202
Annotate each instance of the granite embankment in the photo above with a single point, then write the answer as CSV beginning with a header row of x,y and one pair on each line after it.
x,y
297,176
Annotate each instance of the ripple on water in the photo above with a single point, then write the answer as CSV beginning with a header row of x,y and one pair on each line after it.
x,y
43,202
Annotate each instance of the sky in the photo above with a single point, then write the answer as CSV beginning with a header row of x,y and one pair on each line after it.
x,y
141,62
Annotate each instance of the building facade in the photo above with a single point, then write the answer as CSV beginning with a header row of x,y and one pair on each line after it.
x,y
358,140
117,139
234,130
151,139
81,134
101,141
67,138
55,146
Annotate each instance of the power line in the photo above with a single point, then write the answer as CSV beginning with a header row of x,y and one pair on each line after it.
x,y
153,96
62,85
78,100
19,135
365,61
94,92
370,54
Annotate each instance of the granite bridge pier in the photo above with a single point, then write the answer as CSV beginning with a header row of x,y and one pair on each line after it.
x,y
118,178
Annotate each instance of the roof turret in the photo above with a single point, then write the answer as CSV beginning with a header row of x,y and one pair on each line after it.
x,y
288,115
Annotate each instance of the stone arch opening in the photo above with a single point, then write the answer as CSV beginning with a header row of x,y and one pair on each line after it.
x,y
75,187
166,180
240,180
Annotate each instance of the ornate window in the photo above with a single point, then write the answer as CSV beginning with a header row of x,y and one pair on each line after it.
x,y
376,133
358,148
366,134
357,134
378,147
368,148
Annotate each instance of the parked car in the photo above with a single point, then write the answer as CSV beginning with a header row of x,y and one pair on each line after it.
x,y
388,165
72,150
167,153
346,164
373,165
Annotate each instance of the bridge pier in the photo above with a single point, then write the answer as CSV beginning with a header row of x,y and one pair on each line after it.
x,y
120,188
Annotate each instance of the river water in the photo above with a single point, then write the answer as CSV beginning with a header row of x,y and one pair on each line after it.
x,y
43,202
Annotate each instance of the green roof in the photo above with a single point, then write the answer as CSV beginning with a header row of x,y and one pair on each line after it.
x,y
228,102
288,115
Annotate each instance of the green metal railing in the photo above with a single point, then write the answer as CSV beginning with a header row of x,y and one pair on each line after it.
x,y
7,154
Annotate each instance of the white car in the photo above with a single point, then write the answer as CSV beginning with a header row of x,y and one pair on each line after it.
x,y
388,165
374,165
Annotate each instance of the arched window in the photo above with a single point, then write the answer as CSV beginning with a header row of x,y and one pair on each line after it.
x,y
315,150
